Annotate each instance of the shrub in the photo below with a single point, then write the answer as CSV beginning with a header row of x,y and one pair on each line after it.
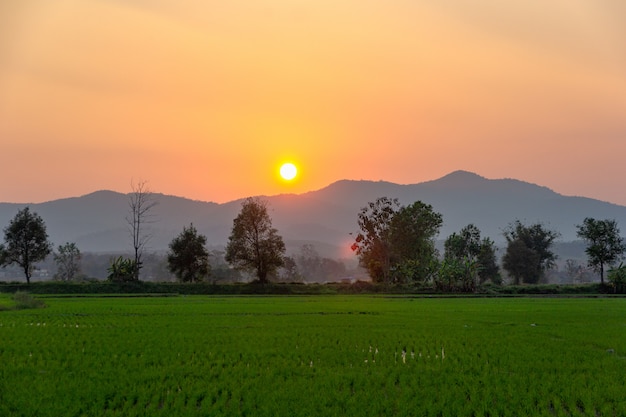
x,y
24,300
617,278
122,270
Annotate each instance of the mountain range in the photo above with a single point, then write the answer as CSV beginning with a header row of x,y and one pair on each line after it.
x,y
326,218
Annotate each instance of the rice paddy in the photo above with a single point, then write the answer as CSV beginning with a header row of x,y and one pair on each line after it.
x,y
314,356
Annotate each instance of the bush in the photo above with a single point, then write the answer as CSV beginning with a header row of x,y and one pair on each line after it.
x,y
24,300
122,270
617,279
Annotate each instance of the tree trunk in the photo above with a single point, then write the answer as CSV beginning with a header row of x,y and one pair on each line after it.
x,y
602,274
27,273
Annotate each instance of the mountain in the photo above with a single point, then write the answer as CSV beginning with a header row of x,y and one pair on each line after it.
x,y
326,217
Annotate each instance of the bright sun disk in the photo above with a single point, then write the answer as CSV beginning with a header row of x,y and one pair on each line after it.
x,y
288,171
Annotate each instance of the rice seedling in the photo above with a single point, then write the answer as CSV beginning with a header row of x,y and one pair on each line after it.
x,y
347,356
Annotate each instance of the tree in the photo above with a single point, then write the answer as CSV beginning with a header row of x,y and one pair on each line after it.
x,y
373,243
140,204
396,242
467,245
487,260
528,254
188,258
26,241
412,239
254,245
67,258
604,244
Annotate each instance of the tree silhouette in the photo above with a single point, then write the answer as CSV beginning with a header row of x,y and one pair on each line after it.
x,y
254,245
604,244
188,258
26,242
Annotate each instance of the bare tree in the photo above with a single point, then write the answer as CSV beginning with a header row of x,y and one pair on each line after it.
x,y
67,258
140,203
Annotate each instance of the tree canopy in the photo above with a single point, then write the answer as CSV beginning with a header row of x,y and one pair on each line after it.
x,y
254,245
396,243
473,256
605,246
25,242
528,253
188,258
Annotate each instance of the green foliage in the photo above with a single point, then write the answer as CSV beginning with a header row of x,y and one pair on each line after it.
x,y
188,258
373,244
314,356
528,253
465,244
122,270
457,275
412,235
467,249
67,259
254,245
605,246
147,288
397,239
487,260
24,300
617,278
25,242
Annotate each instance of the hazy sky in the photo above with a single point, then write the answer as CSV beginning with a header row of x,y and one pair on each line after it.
x,y
204,98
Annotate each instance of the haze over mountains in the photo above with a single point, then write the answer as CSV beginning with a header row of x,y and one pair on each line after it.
x,y
326,217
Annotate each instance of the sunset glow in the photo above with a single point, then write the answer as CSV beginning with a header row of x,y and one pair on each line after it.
x,y
200,98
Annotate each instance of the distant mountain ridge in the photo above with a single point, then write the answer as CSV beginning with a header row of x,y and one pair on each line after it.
x,y
325,217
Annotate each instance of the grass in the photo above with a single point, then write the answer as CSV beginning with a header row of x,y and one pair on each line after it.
x,y
309,356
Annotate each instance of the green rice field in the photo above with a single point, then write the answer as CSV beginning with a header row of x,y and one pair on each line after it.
x,y
314,356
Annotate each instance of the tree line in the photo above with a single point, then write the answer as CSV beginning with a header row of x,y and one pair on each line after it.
x,y
395,244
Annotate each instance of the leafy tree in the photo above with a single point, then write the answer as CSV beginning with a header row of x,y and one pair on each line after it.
x,y
254,245
140,204
604,244
67,258
528,253
395,241
488,262
26,241
373,243
467,245
412,238
188,258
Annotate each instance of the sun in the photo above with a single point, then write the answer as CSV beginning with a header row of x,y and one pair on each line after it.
x,y
288,171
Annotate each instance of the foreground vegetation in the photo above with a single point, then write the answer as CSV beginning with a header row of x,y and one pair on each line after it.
x,y
337,355
253,288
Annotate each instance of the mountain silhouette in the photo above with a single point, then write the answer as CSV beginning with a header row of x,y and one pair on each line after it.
x,y
326,218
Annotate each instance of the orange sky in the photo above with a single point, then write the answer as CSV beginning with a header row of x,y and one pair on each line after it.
x,y
204,99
